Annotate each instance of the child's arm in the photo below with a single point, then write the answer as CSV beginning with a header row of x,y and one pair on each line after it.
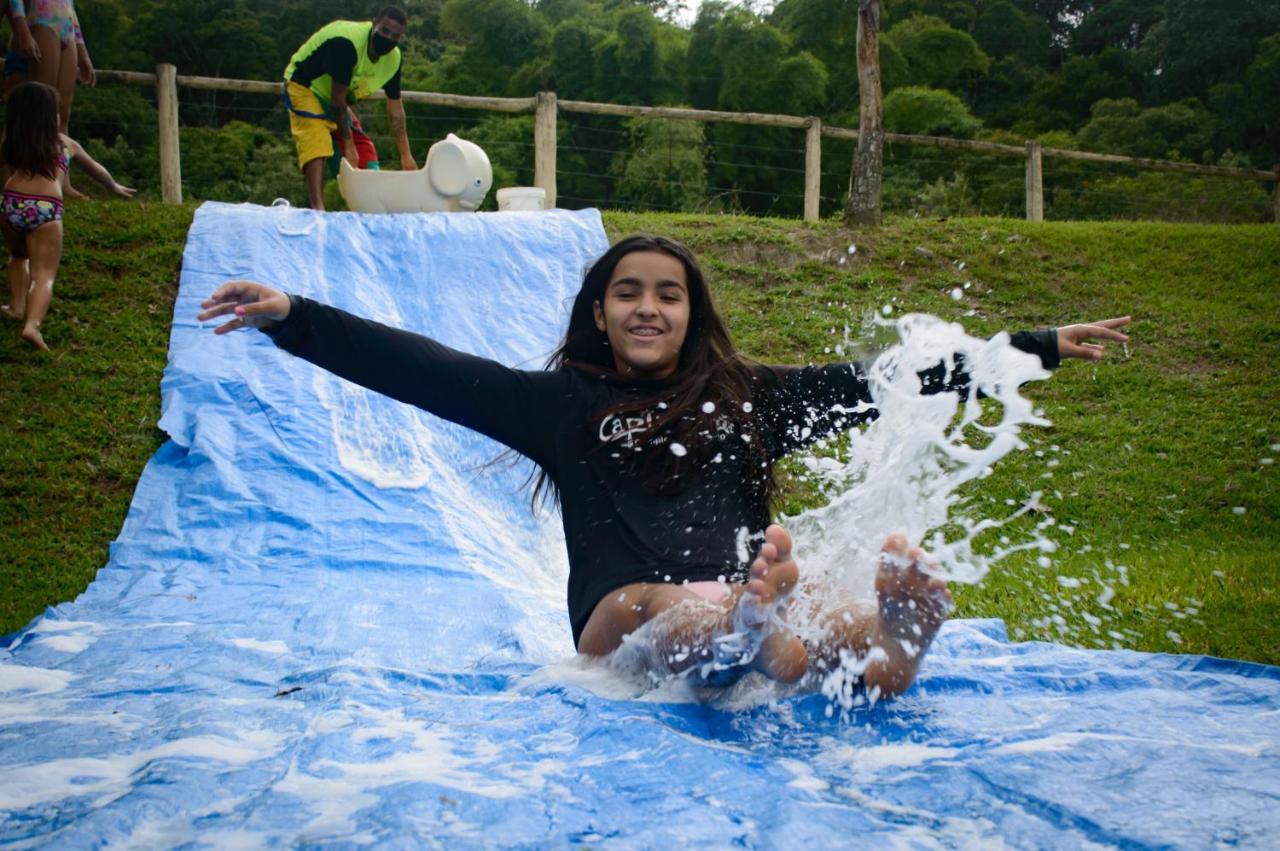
x,y
83,63
94,169
16,12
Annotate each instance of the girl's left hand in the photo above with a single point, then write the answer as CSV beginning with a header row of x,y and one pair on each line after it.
x,y
1073,339
123,191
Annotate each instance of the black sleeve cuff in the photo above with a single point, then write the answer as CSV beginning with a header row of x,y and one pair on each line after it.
x,y
1042,343
294,326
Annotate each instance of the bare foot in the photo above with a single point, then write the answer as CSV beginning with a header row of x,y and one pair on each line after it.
x,y
773,574
32,336
758,617
10,312
912,604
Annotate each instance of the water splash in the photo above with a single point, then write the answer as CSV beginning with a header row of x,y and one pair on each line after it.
x,y
905,471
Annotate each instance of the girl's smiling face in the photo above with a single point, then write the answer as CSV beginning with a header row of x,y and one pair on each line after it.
x,y
645,314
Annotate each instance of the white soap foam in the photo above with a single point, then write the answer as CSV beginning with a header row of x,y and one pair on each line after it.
x,y
22,680
277,647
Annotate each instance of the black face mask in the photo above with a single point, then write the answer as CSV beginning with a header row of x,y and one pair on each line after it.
x,y
380,45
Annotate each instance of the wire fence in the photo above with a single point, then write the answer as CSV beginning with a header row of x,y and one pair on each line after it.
x,y
234,145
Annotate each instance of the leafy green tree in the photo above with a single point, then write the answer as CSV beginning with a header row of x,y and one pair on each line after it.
x,y
498,37
1000,99
960,14
629,59
572,65
1061,16
208,37
238,162
1263,79
749,52
827,29
801,83
1205,43
114,112
928,112
938,55
663,165
1229,103
1063,100
1123,24
702,63
1002,29
1182,130
107,27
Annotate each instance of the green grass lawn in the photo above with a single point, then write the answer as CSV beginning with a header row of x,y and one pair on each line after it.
x,y
1161,472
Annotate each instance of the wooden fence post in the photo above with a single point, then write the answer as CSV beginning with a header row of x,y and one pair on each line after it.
x,y
544,146
167,110
1035,182
812,169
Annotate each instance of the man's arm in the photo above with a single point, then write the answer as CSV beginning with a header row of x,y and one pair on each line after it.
x,y
395,117
341,115
399,129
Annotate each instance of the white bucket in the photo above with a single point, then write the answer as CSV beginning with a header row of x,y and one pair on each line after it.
x,y
522,198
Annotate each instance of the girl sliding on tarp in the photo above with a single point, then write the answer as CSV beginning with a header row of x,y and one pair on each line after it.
x,y
658,441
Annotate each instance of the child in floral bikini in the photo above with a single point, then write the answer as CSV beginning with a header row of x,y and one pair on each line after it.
x,y
37,157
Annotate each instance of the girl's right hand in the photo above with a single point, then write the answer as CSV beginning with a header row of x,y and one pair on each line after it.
x,y
28,46
252,305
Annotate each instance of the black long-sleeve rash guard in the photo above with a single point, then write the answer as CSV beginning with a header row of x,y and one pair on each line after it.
x,y
617,530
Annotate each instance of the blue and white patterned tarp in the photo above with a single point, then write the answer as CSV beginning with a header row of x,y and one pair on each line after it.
x,y
330,620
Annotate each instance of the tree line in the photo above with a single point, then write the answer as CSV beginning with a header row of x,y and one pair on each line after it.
x,y
1172,79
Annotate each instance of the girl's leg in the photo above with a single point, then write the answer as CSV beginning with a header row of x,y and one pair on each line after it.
x,y
68,73
19,275
684,629
18,272
885,642
44,245
47,68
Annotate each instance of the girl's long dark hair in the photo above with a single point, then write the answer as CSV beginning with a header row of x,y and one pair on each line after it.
x,y
31,140
709,370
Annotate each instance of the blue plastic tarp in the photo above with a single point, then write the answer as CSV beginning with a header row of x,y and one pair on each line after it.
x,y
330,620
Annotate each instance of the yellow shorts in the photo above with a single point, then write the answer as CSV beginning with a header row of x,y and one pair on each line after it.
x,y
311,135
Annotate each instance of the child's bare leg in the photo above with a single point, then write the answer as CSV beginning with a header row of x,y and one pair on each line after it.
x,y
888,640
19,275
682,630
44,245
68,74
18,271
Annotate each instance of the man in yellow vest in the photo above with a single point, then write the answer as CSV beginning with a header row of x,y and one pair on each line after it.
x,y
342,62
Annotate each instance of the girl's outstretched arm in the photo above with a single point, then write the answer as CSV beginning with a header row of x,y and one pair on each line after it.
x,y
522,409
94,169
813,402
